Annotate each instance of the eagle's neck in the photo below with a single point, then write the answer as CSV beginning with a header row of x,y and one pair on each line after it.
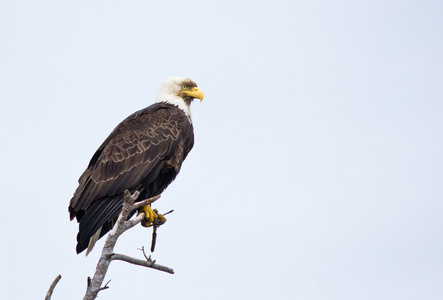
x,y
177,101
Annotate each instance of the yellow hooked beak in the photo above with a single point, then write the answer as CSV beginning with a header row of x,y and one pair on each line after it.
x,y
194,92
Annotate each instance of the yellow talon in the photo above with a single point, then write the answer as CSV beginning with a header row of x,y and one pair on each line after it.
x,y
150,215
160,220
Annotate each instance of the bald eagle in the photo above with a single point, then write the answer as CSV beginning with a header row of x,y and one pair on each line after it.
x,y
144,153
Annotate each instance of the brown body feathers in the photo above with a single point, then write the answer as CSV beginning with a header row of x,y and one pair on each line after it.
x,y
144,152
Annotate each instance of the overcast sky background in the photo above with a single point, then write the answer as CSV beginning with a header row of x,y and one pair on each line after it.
x,y
317,167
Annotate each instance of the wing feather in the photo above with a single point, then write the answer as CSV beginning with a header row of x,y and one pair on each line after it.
x,y
134,149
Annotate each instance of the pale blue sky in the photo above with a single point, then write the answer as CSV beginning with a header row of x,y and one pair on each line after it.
x,y
317,167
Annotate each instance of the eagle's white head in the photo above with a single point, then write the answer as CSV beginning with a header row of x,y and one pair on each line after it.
x,y
179,91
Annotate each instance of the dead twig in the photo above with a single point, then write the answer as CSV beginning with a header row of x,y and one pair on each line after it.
x,y
140,262
52,287
157,223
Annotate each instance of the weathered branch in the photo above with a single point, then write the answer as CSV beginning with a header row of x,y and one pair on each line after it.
x,y
144,263
134,221
122,224
145,202
52,287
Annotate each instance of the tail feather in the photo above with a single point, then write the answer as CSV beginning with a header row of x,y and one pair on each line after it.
x,y
97,220
93,240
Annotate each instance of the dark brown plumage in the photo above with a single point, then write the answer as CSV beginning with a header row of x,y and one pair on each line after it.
x,y
144,152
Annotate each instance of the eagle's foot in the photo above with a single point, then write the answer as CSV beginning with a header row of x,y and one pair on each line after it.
x,y
160,220
152,217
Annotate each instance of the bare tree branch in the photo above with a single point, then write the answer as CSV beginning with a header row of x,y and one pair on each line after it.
x,y
51,288
145,202
122,224
144,263
134,221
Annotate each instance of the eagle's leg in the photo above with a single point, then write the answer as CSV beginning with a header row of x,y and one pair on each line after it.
x,y
151,216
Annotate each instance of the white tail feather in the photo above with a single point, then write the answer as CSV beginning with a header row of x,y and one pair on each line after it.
x,y
92,241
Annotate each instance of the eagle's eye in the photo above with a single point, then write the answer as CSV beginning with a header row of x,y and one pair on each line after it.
x,y
184,86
